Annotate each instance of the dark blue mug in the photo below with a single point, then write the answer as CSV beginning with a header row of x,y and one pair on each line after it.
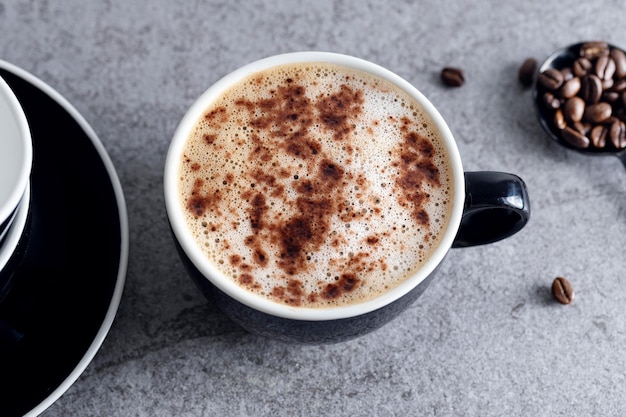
x,y
484,207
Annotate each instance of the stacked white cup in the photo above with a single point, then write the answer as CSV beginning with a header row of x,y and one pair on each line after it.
x,y
16,156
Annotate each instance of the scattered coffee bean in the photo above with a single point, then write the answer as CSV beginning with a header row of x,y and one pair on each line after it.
x,y
452,77
588,97
526,73
562,290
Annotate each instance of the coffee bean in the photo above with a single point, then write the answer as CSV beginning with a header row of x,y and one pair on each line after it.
x,y
610,96
452,77
574,109
570,88
567,74
582,128
604,67
559,119
617,134
551,101
620,62
575,138
619,86
562,290
551,79
598,136
594,49
526,73
581,67
607,83
591,88
598,112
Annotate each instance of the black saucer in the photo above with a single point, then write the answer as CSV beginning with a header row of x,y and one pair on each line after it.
x,y
67,290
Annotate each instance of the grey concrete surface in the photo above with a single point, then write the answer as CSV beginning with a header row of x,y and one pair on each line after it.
x,y
486,339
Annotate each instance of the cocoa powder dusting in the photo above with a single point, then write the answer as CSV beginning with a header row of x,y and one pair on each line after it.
x,y
296,180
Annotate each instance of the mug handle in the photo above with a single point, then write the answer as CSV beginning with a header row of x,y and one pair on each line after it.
x,y
496,207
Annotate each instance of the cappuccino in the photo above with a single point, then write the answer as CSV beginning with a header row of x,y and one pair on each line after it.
x,y
316,185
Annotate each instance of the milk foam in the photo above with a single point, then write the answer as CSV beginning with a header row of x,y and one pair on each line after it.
x,y
365,227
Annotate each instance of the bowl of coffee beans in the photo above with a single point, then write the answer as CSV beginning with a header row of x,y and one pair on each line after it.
x,y
580,98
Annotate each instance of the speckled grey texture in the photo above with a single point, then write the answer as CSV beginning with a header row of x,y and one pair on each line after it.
x,y
486,339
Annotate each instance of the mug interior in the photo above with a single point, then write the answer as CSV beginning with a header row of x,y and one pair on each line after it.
x,y
226,284
15,152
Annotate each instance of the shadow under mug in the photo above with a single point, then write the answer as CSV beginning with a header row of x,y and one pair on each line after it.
x,y
487,206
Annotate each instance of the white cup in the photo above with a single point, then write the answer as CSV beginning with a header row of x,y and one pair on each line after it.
x,y
16,155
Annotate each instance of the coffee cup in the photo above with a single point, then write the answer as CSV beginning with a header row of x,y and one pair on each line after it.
x,y
312,196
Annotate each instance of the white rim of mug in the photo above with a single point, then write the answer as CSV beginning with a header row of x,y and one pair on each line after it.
x,y
257,302
116,297
19,157
15,229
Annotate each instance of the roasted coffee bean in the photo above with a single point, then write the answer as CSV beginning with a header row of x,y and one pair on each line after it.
x,y
562,290
570,88
567,74
559,119
551,101
604,67
591,88
620,62
582,128
598,112
551,79
594,49
617,134
598,136
610,96
621,142
607,84
581,67
452,77
574,109
619,86
575,138
526,73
